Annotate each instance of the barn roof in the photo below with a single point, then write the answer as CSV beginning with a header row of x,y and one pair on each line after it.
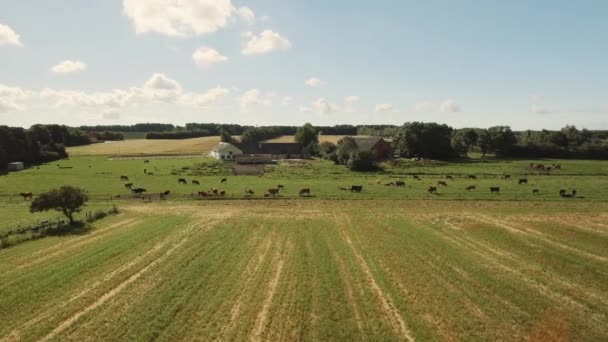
x,y
366,143
221,146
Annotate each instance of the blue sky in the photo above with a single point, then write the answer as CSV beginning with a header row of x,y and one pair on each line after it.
x,y
527,64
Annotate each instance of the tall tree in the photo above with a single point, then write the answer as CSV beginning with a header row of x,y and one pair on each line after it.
x,y
67,200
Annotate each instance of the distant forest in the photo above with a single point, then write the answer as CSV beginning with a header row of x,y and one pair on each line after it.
x,y
44,143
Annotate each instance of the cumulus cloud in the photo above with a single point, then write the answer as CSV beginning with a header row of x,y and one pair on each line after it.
x,y
253,98
383,107
246,14
352,99
323,106
11,98
314,82
110,115
158,88
69,66
8,36
178,18
449,106
205,56
266,42
204,99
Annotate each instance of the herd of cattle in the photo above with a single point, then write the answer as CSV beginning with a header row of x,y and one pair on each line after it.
x,y
304,192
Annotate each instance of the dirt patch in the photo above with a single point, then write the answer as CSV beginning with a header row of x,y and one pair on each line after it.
x,y
247,169
552,327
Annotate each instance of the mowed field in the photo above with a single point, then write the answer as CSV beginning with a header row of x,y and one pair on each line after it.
x,y
135,147
316,270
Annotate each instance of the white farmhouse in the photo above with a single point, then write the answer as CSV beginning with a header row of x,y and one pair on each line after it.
x,y
225,151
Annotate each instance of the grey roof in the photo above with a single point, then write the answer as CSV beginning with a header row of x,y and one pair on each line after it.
x,y
221,146
366,143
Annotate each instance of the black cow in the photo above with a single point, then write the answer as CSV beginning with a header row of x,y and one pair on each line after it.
x,y
472,177
128,185
224,180
523,181
471,187
494,189
304,192
138,190
432,189
194,181
182,181
124,178
356,188
399,183
535,191
273,192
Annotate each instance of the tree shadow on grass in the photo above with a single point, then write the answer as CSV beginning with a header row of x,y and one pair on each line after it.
x,y
77,228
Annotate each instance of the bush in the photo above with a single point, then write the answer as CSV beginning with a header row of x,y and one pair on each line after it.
x,y
362,161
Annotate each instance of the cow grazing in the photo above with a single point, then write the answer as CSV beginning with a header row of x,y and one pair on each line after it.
x,y
280,186
128,185
273,192
442,183
222,193
523,181
562,192
472,177
223,180
449,177
214,191
124,178
182,181
266,195
505,177
249,192
203,194
356,188
535,192
194,181
399,183
567,195
432,190
138,190
26,195
304,192
494,189
471,187
146,171
146,161
166,192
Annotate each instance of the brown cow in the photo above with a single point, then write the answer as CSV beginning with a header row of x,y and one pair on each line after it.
x,y
203,194
26,195
399,183
305,191
194,181
273,192
449,177
535,191
432,189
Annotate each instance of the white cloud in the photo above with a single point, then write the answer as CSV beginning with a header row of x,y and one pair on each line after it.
x,y
8,36
246,14
352,99
204,99
305,109
383,107
314,82
449,106
178,18
205,56
110,115
69,66
538,109
11,98
252,98
158,88
424,106
286,100
264,43
323,106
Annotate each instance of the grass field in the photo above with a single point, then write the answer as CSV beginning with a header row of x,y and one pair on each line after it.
x,y
316,270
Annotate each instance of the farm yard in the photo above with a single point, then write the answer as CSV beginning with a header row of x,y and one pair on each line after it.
x,y
317,270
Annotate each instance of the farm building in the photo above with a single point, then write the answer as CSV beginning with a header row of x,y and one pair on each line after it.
x,y
16,166
377,145
225,151
274,150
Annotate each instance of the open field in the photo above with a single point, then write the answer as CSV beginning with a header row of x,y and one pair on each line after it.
x,y
134,147
100,176
147,147
316,270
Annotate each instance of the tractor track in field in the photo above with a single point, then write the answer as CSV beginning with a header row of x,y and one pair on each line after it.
x,y
179,240
386,302
273,285
485,253
540,236
348,287
252,268
72,244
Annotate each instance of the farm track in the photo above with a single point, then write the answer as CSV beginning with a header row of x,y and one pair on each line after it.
x,y
311,270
